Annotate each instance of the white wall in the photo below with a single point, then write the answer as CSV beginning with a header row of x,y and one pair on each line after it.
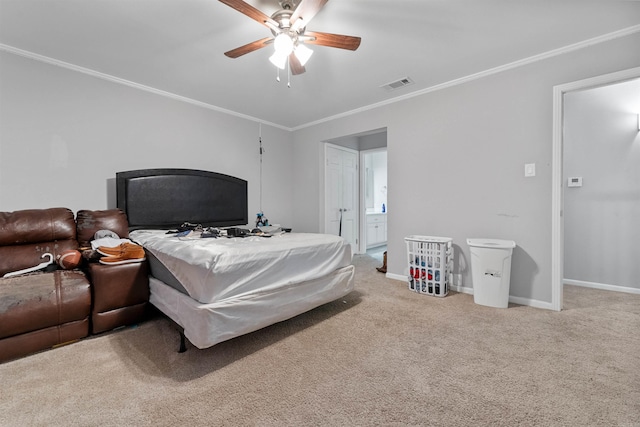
x,y
602,218
64,135
456,162
455,156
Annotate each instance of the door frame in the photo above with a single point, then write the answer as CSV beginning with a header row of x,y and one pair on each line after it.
x,y
557,191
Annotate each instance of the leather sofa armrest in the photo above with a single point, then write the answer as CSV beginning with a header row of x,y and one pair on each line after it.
x,y
118,286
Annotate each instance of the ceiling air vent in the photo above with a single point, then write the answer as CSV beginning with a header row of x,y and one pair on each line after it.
x,y
406,81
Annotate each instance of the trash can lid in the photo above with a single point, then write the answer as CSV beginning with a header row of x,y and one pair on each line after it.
x,y
491,243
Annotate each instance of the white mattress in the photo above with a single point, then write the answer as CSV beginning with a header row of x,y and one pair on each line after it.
x,y
222,269
208,324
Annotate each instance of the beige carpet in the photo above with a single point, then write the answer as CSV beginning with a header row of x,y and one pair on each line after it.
x,y
383,355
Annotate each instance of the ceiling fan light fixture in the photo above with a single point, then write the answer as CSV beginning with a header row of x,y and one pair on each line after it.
x,y
303,54
283,44
279,60
288,27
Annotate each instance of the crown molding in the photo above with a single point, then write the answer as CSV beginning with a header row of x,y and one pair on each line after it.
x,y
113,79
520,63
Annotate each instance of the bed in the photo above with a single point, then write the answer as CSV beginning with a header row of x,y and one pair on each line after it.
x,y
215,289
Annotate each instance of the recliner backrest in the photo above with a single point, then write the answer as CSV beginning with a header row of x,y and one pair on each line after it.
x,y
90,221
26,235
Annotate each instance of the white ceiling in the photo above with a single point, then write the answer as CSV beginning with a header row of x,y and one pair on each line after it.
x,y
177,46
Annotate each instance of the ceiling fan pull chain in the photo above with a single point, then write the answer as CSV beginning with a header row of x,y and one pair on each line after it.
x,y
288,75
278,74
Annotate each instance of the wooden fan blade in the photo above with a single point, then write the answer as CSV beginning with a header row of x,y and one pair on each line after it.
x,y
333,40
249,47
305,12
250,11
295,66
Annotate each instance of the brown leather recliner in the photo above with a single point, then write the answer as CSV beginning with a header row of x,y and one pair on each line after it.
x,y
40,309
120,292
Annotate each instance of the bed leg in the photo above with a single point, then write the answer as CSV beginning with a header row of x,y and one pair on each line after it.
x,y
183,344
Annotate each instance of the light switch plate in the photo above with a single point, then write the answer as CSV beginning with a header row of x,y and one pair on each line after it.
x,y
530,169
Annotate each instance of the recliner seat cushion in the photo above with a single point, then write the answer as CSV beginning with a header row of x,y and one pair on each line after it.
x,y
19,257
41,300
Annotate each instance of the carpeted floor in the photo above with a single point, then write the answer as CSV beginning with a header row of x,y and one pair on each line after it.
x,y
382,355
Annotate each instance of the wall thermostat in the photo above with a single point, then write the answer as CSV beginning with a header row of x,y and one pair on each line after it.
x,y
575,181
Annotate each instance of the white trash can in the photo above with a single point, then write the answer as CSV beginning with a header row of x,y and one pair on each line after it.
x,y
491,271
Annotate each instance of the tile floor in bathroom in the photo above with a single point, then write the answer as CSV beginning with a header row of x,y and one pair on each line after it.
x,y
377,252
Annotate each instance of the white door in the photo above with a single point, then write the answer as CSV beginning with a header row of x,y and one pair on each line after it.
x,y
341,194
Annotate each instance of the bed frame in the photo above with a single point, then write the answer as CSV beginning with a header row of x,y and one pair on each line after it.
x,y
166,198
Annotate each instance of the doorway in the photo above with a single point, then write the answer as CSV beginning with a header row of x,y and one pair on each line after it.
x,y
601,159
373,178
557,227
360,143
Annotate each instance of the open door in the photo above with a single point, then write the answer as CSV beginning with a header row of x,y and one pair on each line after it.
x,y
341,193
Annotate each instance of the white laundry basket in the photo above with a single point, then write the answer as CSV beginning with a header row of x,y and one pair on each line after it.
x,y
430,262
491,271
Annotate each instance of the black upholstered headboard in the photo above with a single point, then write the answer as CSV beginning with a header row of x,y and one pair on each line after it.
x,y
166,198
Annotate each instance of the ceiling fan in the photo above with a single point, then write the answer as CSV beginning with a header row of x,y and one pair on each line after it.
x,y
289,34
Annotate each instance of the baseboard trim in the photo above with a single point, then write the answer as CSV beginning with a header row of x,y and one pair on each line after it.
x,y
531,302
466,290
462,289
603,286
400,277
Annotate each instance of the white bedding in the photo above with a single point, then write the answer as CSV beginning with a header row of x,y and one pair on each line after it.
x,y
224,269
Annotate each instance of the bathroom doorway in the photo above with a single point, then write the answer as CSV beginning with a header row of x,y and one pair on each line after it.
x,y
374,200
